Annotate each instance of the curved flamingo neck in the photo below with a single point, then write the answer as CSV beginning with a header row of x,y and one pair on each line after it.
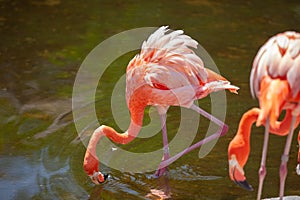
x,y
240,145
91,161
134,128
246,123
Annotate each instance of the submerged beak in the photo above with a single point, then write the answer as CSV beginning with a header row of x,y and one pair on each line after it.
x,y
99,178
90,166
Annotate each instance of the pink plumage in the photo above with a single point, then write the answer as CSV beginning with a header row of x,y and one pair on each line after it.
x,y
278,58
165,73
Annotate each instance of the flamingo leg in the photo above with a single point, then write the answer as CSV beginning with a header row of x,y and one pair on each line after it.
x,y
298,166
285,158
262,170
161,171
220,132
210,117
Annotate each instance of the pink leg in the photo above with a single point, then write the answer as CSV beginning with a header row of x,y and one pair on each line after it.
x,y
262,170
285,158
212,118
221,132
166,156
298,166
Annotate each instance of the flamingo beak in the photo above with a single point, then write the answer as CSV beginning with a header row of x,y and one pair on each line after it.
x,y
242,183
236,174
90,166
99,178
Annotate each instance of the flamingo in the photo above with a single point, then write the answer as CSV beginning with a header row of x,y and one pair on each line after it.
x,y
165,73
275,81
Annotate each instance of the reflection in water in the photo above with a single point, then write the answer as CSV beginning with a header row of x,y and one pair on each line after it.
x,y
133,186
136,185
55,126
179,174
56,180
159,194
38,177
162,190
186,173
17,181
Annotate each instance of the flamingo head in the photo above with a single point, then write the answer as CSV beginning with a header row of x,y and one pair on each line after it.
x,y
237,173
90,166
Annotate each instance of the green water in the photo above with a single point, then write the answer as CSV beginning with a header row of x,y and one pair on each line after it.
x,y
43,44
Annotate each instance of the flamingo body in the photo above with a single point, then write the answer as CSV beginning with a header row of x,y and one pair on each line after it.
x,y
275,81
165,73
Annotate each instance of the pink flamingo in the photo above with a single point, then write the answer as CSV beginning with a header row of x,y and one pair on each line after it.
x,y
166,73
275,80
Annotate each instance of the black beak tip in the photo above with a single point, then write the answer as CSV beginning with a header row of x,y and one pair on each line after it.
x,y
106,176
244,184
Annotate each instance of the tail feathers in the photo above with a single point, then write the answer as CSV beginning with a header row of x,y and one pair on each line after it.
x,y
273,94
217,82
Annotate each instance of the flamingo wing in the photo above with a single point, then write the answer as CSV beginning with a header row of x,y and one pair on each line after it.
x,y
293,75
167,61
278,58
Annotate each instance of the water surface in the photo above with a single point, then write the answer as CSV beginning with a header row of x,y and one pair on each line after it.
x,y
42,46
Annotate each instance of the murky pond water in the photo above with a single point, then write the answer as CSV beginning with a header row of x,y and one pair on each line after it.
x,y
43,44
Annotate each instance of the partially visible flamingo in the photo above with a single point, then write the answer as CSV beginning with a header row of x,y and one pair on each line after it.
x,y
166,73
298,166
275,81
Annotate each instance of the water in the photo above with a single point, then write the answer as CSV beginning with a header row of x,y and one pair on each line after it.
x,y
42,46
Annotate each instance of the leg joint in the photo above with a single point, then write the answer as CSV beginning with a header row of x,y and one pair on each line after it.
x,y
166,150
284,158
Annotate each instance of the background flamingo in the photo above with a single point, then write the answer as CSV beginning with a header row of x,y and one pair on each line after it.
x,y
166,73
275,81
